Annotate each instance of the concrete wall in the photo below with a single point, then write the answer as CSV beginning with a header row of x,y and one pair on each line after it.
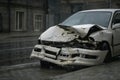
x,y
8,8
4,14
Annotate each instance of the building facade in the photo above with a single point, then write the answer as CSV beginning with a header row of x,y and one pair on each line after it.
x,y
65,8
21,15
37,15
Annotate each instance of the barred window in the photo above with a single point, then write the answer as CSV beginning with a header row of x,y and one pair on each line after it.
x,y
37,22
20,20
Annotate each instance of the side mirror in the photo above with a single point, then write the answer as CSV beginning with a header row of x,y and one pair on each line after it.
x,y
115,26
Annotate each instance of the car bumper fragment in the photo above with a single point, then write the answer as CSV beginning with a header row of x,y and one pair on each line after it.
x,y
52,54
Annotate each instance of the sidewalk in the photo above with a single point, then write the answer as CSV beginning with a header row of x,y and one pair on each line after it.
x,y
109,71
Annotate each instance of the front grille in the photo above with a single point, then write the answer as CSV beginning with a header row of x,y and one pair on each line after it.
x,y
55,44
62,44
50,57
50,52
73,44
75,55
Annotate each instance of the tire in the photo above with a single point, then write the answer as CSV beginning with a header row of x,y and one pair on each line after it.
x,y
108,57
45,64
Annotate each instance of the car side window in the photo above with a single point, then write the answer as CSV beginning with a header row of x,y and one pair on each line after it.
x,y
116,19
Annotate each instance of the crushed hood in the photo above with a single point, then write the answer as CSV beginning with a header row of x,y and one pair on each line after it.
x,y
63,33
85,29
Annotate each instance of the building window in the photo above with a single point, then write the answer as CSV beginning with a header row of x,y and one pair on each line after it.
x,y
20,21
37,22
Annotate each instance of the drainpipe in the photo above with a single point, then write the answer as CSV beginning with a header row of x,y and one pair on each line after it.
x,y
9,15
46,8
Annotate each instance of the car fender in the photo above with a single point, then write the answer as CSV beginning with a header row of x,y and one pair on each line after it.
x,y
103,36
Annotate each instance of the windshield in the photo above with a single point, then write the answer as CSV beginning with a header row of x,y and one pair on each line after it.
x,y
94,17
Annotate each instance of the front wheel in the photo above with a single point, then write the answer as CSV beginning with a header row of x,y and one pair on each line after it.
x,y
45,64
108,57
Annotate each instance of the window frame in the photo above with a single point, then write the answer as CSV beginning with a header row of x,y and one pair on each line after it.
x,y
23,28
117,12
34,21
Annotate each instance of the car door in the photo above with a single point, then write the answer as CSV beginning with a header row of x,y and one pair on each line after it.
x,y
116,33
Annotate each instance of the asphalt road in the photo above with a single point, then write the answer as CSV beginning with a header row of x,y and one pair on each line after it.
x,y
32,71
28,71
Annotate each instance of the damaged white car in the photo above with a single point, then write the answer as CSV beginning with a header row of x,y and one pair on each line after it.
x,y
88,38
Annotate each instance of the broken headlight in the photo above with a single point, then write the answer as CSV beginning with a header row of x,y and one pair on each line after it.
x,y
37,49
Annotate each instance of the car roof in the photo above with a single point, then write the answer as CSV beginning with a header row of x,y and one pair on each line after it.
x,y
110,10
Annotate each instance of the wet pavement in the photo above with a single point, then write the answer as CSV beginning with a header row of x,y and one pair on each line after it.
x,y
29,72
33,71
109,71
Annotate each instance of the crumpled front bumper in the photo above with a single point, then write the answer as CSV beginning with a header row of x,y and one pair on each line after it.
x,y
63,56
